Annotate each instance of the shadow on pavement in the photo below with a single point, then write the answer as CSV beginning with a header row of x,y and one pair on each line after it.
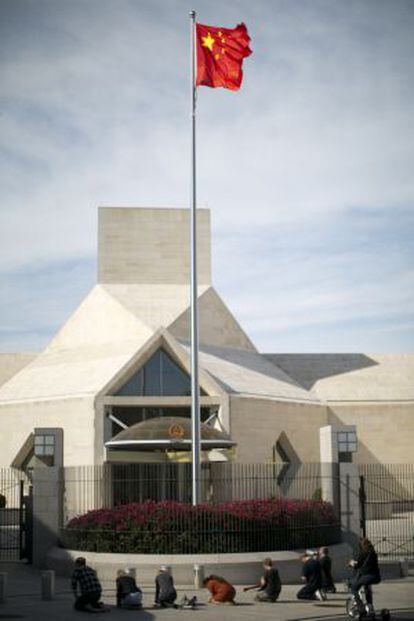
x,y
400,614
144,613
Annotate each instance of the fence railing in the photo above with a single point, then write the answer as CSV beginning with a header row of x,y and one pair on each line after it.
x,y
93,487
389,508
231,535
14,488
145,508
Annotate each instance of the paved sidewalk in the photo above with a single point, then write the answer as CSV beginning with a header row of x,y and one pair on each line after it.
x,y
23,602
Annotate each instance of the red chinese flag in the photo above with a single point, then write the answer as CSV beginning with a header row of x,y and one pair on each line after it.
x,y
220,53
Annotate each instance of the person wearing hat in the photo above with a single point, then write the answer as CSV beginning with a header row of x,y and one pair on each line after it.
x,y
312,576
165,593
128,594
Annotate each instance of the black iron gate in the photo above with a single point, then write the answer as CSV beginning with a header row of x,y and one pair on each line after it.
x,y
387,508
16,516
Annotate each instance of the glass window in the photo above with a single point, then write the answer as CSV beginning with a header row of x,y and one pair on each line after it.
x,y
152,376
160,376
134,386
44,448
174,381
347,442
130,415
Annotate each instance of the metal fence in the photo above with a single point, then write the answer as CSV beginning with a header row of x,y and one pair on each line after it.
x,y
93,487
15,515
246,507
387,508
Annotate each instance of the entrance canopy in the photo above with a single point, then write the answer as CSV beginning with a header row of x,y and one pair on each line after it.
x,y
167,433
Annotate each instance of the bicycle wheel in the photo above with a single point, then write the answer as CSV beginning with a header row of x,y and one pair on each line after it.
x,y
350,607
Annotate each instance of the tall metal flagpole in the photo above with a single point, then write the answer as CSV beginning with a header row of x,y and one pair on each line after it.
x,y
195,388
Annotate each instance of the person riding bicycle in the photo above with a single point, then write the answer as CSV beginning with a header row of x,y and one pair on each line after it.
x,y
366,572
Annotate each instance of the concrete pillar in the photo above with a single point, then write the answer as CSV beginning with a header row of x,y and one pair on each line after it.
x,y
349,499
340,480
47,512
404,568
47,585
329,467
3,586
198,576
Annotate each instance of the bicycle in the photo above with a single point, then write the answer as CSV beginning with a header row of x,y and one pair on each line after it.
x,y
364,611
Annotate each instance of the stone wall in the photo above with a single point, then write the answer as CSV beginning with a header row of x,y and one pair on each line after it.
x,y
256,425
74,416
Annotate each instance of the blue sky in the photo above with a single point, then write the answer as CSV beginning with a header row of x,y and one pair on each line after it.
x,y
308,169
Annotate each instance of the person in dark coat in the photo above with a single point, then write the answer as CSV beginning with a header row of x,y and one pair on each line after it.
x,y
128,594
325,560
85,580
366,571
312,576
269,585
165,593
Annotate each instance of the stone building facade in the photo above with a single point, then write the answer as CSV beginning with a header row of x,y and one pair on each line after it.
x,y
123,357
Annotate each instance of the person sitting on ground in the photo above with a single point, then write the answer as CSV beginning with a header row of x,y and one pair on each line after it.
x,y
269,585
222,592
165,593
128,594
89,586
325,560
367,571
312,576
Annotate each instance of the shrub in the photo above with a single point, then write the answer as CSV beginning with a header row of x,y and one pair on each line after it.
x,y
317,494
174,528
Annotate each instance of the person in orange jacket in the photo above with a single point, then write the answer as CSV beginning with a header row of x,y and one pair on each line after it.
x,y
222,592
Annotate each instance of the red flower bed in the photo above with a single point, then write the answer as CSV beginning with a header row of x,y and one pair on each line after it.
x,y
174,527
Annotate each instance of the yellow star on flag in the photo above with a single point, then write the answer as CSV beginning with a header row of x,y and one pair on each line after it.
x,y
208,41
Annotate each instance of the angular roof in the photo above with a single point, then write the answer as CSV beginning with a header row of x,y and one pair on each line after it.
x,y
99,338
143,296
351,377
10,364
154,305
250,373
109,328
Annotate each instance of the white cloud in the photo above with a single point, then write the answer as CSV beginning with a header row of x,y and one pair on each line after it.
x,y
96,111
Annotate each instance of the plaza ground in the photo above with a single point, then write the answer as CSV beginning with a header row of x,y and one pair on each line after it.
x,y
23,602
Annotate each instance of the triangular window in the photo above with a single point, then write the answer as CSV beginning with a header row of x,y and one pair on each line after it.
x,y
159,377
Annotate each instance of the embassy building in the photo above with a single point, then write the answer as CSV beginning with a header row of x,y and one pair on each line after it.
x,y
113,384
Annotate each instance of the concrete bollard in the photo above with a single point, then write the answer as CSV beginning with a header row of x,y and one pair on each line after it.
x,y
47,585
3,586
198,576
403,567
